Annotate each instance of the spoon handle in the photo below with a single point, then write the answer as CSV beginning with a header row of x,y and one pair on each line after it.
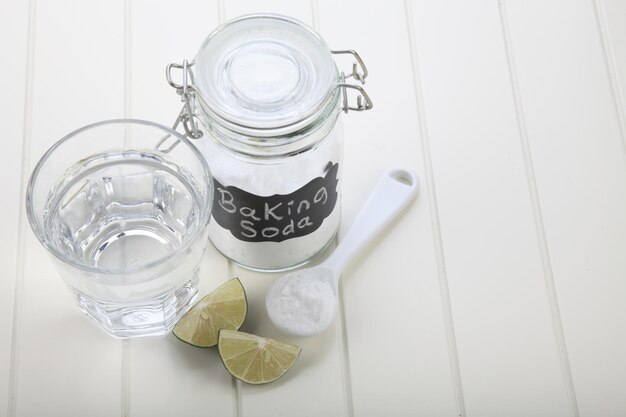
x,y
394,191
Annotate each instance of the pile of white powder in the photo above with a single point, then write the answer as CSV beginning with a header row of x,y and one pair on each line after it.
x,y
302,302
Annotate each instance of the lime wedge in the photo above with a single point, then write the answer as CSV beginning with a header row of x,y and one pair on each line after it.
x,y
224,308
254,359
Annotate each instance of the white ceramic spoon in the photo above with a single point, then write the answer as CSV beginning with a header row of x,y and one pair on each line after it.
x,y
304,302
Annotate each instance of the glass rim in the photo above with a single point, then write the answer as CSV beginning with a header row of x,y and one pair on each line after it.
x,y
38,229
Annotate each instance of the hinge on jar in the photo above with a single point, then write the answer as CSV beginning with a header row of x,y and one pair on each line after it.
x,y
186,117
359,73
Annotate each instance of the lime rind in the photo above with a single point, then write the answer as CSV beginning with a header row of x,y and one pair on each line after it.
x,y
226,307
254,359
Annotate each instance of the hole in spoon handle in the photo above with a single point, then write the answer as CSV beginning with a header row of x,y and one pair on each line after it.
x,y
396,188
404,176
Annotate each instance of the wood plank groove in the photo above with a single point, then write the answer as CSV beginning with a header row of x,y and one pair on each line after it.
x,y
315,15
341,316
493,263
538,217
168,377
17,42
453,354
575,138
345,356
611,65
301,389
395,332
55,339
613,35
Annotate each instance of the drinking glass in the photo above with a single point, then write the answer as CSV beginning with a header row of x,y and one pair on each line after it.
x,y
125,222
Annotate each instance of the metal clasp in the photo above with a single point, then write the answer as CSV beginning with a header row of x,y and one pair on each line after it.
x,y
187,91
186,116
359,73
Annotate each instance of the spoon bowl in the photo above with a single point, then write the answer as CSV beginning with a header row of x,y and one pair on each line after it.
x,y
304,302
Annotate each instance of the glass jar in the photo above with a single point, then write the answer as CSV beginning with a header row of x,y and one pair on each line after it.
x,y
268,97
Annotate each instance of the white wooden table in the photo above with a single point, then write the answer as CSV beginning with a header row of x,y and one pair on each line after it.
x,y
500,292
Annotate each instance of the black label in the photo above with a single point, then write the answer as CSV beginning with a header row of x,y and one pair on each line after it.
x,y
275,218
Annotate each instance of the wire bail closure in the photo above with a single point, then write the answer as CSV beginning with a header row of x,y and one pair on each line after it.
x,y
186,117
187,92
359,73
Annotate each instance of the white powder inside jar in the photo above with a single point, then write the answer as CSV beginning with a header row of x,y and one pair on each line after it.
x,y
266,179
302,302
272,255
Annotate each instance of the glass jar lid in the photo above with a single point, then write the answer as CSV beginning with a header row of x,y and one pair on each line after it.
x,y
264,72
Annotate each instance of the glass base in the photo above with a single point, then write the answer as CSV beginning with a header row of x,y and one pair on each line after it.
x,y
155,317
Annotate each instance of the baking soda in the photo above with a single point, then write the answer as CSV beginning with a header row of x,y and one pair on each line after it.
x,y
303,302
279,177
